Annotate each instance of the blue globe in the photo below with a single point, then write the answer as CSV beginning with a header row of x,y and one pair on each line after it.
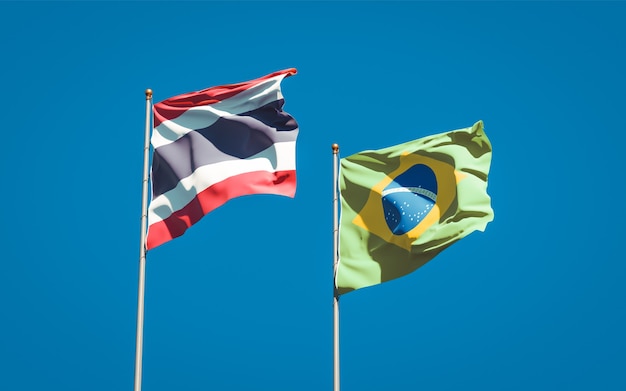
x,y
409,198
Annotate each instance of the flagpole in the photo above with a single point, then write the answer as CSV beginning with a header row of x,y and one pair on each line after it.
x,y
335,262
142,247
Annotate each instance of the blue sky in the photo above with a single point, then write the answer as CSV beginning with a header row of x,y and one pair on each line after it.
x,y
243,301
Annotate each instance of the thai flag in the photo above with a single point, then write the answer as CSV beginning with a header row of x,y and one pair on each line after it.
x,y
217,144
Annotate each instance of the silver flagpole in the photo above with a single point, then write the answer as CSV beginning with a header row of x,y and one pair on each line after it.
x,y
335,260
142,247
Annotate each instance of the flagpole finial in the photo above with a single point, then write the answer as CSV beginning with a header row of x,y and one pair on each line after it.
x,y
148,94
335,148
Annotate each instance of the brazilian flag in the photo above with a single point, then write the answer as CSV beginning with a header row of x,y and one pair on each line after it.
x,y
403,205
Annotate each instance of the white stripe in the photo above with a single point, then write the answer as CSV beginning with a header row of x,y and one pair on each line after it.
x,y
204,177
418,190
203,116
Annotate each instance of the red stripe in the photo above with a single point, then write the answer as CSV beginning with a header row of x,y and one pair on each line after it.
x,y
259,182
177,105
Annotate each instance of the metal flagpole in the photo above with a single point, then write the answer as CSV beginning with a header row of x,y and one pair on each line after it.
x,y
335,261
142,246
